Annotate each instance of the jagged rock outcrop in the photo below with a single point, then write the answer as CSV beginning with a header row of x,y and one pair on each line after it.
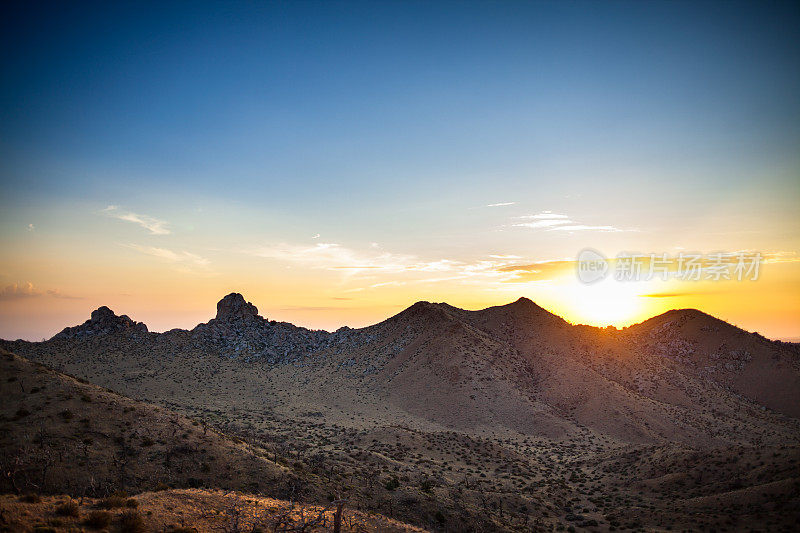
x,y
239,331
234,306
103,321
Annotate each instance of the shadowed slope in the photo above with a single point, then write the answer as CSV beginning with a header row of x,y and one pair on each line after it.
x,y
683,376
63,435
761,370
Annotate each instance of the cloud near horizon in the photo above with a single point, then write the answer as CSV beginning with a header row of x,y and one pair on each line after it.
x,y
550,221
17,291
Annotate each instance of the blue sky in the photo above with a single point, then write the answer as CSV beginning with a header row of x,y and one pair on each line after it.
x,y
343,97
394,122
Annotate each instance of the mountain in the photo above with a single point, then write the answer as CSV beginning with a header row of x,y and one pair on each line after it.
x,y
103,322
239,331
505,416
514,367
764,371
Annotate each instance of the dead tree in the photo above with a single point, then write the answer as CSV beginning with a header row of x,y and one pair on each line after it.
x,y
337,518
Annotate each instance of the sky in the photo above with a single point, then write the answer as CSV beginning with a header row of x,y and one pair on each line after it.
x,y
337,161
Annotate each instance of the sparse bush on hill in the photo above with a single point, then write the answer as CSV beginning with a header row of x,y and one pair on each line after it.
x,y
392,484
112,502
98,520
131,522
68,508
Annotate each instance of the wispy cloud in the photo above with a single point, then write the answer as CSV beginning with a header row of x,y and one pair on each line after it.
x,y
55,293
674,294
544,215
330,255
547,220
539,271
501,204
310,308
545,223
20,291
378,269
179,257
585,227
781,257
153,225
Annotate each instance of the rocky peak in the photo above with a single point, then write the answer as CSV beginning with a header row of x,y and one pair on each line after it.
x,y
239,331
102,314
103,321
234,306
524,303
423,312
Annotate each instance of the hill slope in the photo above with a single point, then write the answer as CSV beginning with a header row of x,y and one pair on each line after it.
x,y
60,434
502,418
683,376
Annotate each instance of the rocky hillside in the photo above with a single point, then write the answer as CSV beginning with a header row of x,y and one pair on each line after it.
x,y
683,376
239,331
185,510
766,372
59,434
103,322
506,419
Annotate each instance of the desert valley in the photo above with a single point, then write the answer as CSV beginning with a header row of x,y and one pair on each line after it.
x,y
503,419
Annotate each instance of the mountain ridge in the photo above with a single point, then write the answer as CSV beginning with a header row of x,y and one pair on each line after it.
x,y
510,400
517,355
234,306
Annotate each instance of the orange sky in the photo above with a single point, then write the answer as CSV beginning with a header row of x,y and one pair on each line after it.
x,y
335,165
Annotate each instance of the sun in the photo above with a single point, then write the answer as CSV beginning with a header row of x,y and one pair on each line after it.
x,y
608,302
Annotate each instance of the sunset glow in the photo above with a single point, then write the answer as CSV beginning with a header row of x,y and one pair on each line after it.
x,y
336,176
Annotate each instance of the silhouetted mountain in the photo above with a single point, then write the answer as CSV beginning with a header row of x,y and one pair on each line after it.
x,y
103,322
516,366
509,400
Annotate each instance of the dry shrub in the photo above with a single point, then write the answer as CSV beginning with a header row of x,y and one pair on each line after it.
x,y
131,522
68,508
98,520
112,502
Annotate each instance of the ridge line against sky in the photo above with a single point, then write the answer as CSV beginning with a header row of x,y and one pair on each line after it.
x,y
337,160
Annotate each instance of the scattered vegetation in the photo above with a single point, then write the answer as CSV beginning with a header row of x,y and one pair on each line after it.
x,y
68,508
98,519
131,522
